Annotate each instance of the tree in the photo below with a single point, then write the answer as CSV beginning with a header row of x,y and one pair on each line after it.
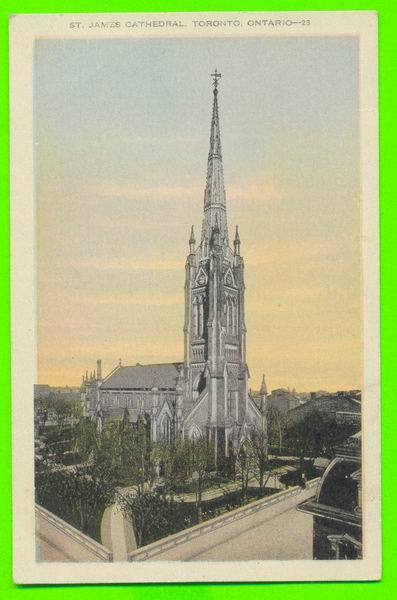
x,y
317,434
336,434
106,456
305,437
201,463
92,489
56,442
277,425
125,449
62,410
246,467
261,466
85,439
187,461
173,463
54,418
136,466
78,495
147,512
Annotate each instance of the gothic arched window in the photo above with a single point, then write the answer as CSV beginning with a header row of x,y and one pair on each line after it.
x,y
195,432
166,429
229,325
235,317
199,384
200,317
229,403
195,317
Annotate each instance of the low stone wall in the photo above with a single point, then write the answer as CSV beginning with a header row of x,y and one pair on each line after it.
x,y
147,552
56,537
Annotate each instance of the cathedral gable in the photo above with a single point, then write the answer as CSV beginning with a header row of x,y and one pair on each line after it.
x,y
254,412
165,410
198,414
201,278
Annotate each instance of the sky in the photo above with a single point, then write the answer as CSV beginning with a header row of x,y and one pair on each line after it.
x,y
121,142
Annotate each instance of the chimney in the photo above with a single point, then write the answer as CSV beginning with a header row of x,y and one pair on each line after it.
x,y
99,369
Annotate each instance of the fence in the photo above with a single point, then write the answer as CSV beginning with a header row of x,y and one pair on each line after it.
x,y
147,552
68,539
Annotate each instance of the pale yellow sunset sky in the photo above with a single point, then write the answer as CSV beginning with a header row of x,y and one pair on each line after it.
x,y
121,138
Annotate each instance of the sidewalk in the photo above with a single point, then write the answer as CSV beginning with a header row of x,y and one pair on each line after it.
x,y
218,491
117,533
233,486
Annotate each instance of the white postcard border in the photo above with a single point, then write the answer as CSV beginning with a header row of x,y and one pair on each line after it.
x,y
24,29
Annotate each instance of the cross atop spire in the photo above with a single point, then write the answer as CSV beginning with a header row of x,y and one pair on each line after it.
x,y
216,76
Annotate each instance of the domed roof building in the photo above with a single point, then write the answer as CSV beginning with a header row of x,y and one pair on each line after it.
x,y
336,507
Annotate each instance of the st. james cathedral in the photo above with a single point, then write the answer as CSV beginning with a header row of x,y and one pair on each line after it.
x,y
207,394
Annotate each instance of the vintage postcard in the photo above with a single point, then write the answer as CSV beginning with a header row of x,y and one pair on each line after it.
x,y
195,297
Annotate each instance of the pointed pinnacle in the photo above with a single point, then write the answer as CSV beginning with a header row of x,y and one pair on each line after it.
x,y
263,389
192,239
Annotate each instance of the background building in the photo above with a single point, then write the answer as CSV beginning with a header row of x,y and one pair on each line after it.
x,y
284,400
343,407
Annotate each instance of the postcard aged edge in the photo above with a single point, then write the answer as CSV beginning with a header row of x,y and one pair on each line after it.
x,y
24,30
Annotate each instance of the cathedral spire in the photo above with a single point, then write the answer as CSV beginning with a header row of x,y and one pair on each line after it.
x,y
214,196
263,390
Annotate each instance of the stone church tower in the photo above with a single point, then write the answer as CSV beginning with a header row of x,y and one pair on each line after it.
x,y
206,395
214,330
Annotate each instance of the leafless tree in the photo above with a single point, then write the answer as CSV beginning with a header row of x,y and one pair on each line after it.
x,y
277,425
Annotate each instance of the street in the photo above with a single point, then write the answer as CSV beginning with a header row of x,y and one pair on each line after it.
x,y
278,532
